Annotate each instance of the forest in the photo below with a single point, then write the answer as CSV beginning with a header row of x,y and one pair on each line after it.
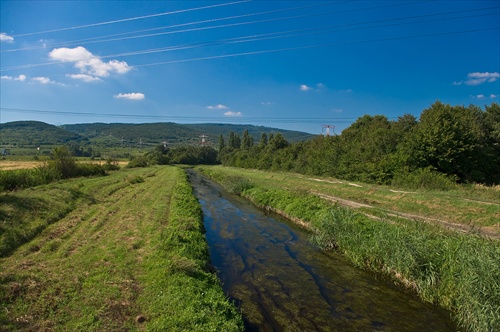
x,y
447,144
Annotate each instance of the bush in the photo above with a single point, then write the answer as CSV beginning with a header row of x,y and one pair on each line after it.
x,y
236,184
424,178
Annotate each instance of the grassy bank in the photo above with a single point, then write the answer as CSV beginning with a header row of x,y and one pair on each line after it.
x,y
121,252
460,272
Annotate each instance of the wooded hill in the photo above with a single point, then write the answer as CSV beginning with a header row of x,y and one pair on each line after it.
x,y
31,134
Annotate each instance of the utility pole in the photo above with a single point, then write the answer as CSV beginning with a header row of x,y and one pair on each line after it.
x,y
326,128
203,140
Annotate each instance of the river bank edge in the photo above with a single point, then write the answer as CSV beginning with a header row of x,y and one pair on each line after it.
x,y
458,272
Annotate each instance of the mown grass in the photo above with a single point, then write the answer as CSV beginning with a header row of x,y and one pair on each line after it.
x,y
460,272
468,205
129,255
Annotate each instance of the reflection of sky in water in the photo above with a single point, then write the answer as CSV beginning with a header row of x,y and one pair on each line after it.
x,y
282,282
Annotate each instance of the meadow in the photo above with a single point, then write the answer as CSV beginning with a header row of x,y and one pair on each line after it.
x,y
447,252
124,251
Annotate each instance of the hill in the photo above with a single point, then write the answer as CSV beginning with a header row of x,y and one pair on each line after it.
x,y
172,133
33,134
30,134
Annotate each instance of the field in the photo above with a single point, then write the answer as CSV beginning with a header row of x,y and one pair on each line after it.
x,y
27,162
474,209
113,253
441,245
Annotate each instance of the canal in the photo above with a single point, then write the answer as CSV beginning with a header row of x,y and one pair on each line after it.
x,y
281,282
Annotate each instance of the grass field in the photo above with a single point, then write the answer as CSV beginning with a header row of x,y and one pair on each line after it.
x,y
474,209
113,253
457,268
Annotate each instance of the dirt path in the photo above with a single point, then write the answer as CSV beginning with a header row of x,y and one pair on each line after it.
x,y
488,232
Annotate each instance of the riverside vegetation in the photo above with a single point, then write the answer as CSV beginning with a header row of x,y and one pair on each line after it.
x,y
458,271
124,251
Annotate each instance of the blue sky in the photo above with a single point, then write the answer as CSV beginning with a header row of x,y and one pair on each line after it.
x,y
285,64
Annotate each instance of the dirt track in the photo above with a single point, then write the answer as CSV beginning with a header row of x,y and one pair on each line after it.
x,y
488,232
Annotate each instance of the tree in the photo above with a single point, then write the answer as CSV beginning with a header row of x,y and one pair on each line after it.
x,y
247,142
64,162
263,141
277,142
448,140
222,143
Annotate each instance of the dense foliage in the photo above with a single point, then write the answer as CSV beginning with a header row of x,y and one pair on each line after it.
x,y
163,155
61,165
448,143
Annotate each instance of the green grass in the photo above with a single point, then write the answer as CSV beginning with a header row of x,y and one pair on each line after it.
x,y
467,205
122,249
460,272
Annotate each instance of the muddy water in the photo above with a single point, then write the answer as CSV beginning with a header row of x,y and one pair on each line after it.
x,y
283,283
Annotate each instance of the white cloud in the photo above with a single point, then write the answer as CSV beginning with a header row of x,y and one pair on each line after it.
x,y
19,78
266,103
44,80
217,107
480,96
130,96
6,38
320,86
231,113
88,63
492,96
84,77
477,78
338,110
304,87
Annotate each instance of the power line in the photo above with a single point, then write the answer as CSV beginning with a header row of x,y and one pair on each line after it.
x,y
100,38
313,46
129,19
290,120
273,35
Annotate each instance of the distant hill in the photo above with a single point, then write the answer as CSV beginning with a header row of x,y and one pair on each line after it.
x,y
34,133
174,133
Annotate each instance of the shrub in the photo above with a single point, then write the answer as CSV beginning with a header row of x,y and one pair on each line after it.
x,y
424,178
236,184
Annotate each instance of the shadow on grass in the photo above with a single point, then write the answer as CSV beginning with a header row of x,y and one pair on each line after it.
x,y
23,218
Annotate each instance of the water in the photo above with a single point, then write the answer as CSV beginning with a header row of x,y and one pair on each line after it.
x,y
283,283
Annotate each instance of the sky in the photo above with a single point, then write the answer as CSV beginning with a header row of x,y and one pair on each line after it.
x,y
298,65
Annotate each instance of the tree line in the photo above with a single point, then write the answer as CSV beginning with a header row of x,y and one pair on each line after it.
x,y
457,143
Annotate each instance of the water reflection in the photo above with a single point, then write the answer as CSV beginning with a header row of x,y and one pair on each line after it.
x,y
282,283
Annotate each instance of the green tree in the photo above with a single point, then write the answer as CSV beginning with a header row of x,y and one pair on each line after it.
x,y
222,143
64,162
263,141
448,140
247,141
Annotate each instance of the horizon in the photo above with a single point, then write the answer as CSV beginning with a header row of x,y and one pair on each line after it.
x,y
287,65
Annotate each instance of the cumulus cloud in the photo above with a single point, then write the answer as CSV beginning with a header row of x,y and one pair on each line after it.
x,y
6,38
319,86
19,78
130,96
84,77
478,78
88,63
231,113
217,107
44,80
